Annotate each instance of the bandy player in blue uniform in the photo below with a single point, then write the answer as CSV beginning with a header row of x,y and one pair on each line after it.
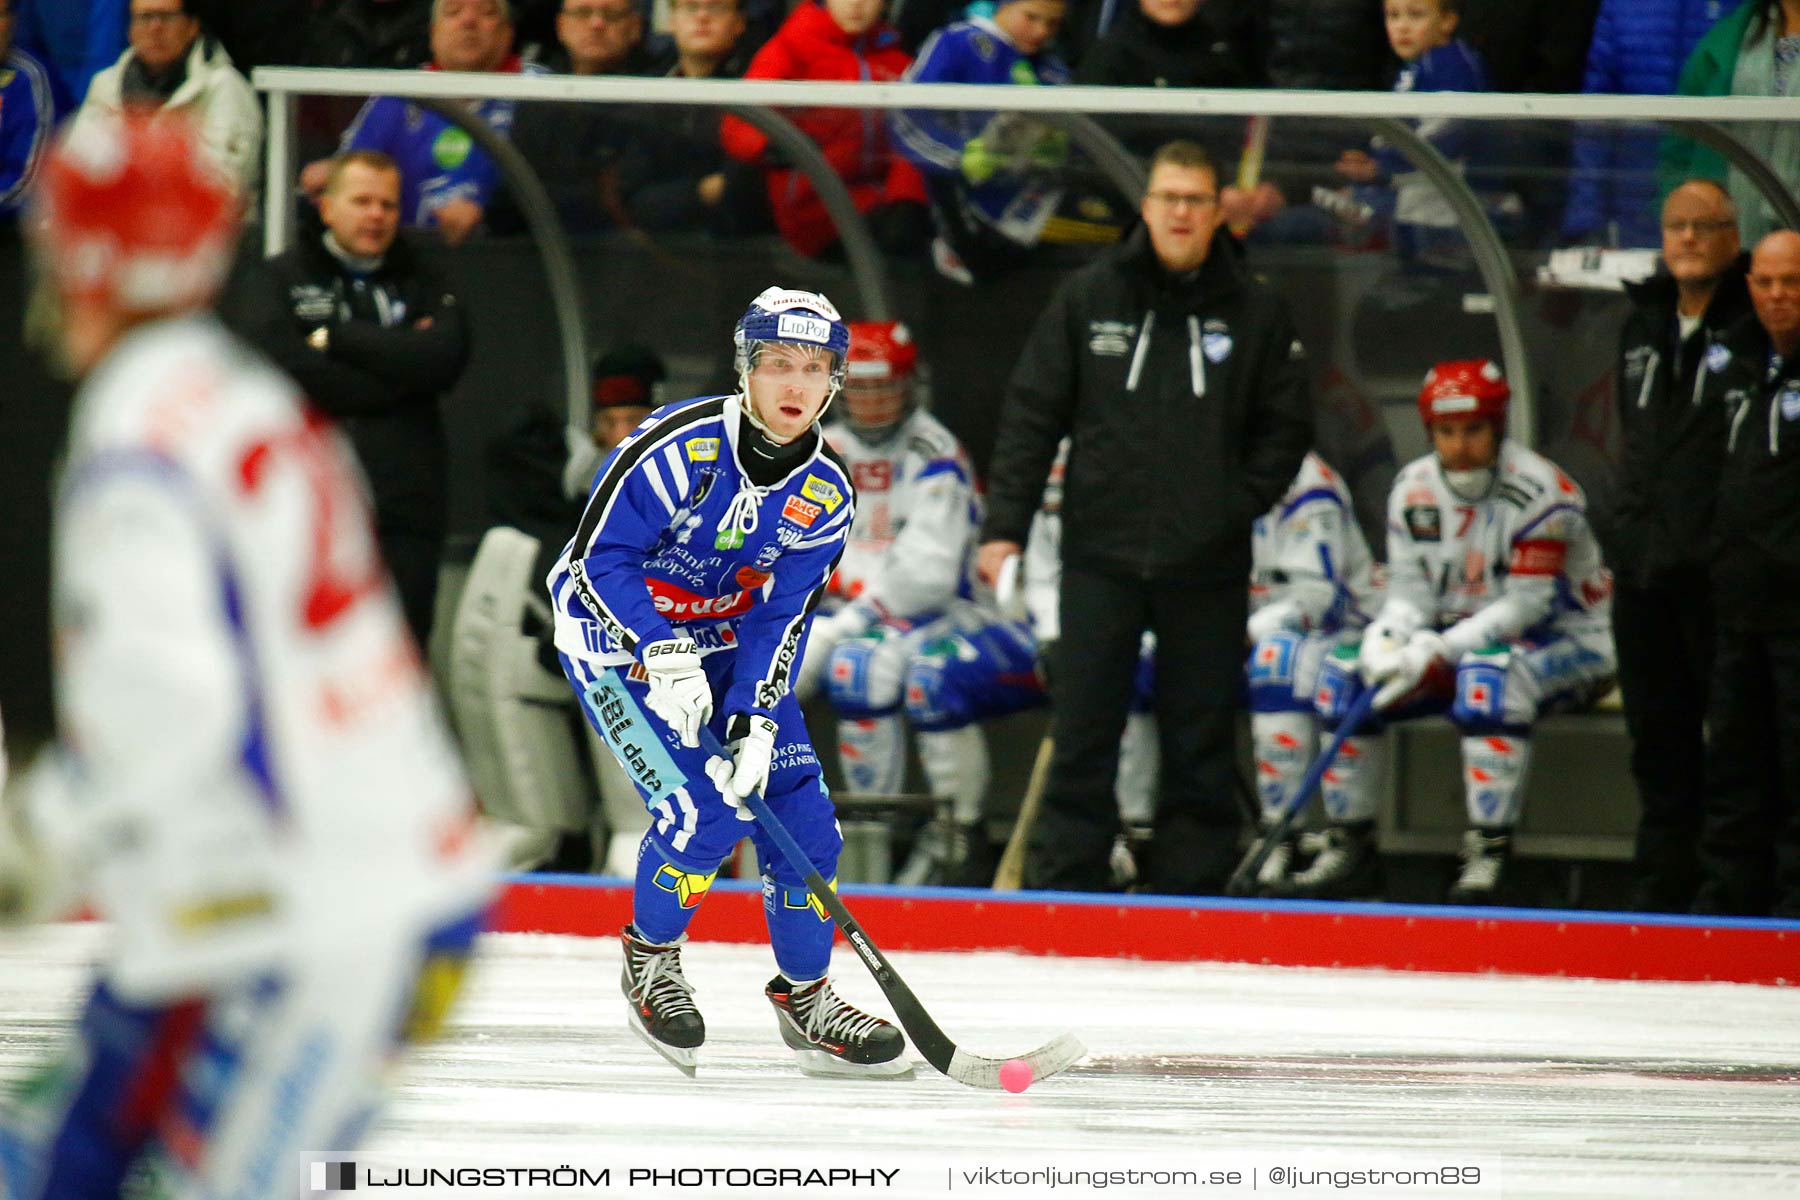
x,y
682,604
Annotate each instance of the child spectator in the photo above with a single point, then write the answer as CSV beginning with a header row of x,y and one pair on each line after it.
x,y
1423,35
843,40
988,174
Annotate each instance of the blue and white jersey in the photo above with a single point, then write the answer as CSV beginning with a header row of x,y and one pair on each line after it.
x,y
676,540
976,51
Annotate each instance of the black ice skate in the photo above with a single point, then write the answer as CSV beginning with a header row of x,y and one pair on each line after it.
x,y
830,1037
1484,855
661,999
1347,867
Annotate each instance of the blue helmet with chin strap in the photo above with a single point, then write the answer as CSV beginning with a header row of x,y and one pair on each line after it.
x,y
795,318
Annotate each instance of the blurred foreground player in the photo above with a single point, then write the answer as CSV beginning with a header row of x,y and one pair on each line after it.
x,y
682,605
251,781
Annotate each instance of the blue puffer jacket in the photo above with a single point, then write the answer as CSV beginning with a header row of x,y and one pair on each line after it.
x,y
1638,49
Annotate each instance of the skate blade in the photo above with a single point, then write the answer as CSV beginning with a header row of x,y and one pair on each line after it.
x,y
684,1059
824,1064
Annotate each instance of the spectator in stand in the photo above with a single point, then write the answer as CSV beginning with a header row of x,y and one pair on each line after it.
x,y
1750,827
370,33
1637,50
1335,45
991,176
446,182
172,66
846,40
575,148
29,107
1532,45
1433,59
1752,52
1656,529
375,336
674,175
1173,43
599,37
259,34
75,39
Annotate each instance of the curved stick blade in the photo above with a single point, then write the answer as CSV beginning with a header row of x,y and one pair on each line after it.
x,y
1045,1061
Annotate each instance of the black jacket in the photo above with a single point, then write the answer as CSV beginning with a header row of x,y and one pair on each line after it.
x,y
1164,478
1756,525
1531,45
1335,45
1655,528
383,373
1216,47
364,33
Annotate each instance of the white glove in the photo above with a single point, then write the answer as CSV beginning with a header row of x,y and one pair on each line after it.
x,y
1410,666
1380,652
752,755
1271,619
679,692
827,631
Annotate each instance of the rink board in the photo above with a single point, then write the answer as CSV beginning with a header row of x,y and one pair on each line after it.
x,y
1299,934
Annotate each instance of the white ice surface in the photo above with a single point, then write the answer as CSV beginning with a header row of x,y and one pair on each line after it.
x,y
1580,1088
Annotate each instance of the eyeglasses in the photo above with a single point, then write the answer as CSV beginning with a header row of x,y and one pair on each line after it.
x,y
708,8
1702,228
1180,199
158,18
593,12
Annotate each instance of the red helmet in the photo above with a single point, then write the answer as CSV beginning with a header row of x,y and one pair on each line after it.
x,y
881,352
1470,387
130,212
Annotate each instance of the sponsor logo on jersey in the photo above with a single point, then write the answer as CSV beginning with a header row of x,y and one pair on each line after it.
x,y
800,512
703,449
1718,357
1538,556
814,488
787,535
1425,522
679,604
311,302
687,888
729,539
1216,346
752,577
875,476
712,637
793,327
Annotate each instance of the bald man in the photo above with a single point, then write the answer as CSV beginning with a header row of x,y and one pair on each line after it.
x,y
1750,832
1656,527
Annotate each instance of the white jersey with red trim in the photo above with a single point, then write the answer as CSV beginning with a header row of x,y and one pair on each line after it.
x,y
1308,555
1520,562
907,556
251,755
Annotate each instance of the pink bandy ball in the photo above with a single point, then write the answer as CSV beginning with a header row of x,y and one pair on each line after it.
x,y
1015,1074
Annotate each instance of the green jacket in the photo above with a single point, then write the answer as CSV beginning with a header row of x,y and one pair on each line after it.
x,y
1708,72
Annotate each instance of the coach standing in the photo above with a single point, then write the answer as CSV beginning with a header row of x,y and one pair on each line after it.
x,y
375,336
1180,381
1655,530
1750,828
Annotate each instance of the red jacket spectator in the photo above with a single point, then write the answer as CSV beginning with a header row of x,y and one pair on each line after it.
x,y
810,45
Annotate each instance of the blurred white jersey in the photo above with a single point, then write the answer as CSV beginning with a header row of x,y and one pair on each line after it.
x,y
908,553
1308,555
1520,562
252,758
